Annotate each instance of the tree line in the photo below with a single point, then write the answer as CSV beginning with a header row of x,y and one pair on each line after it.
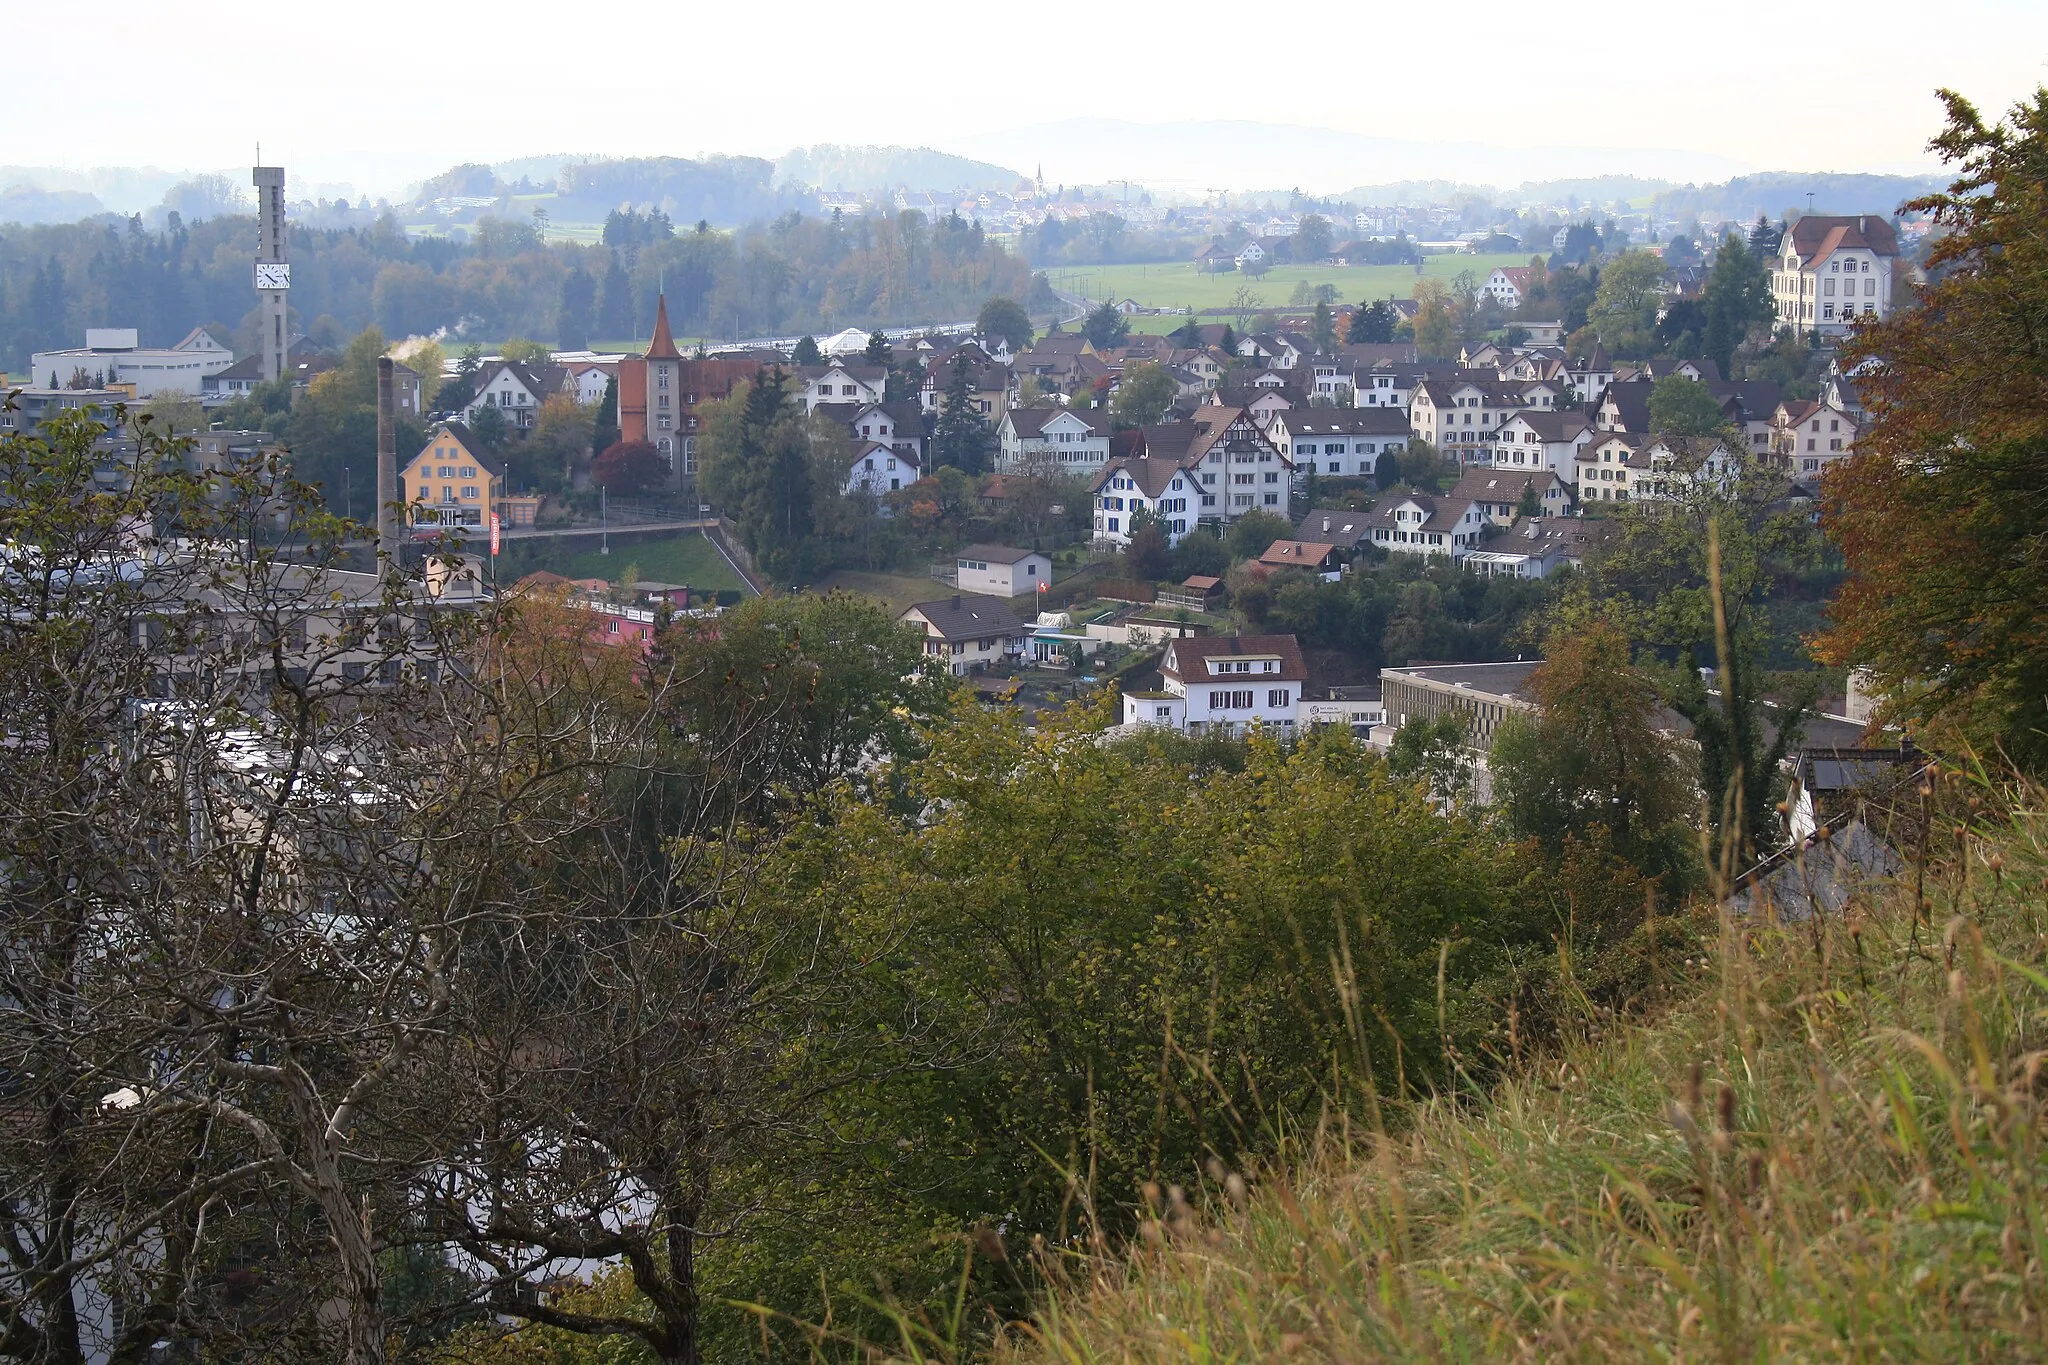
x,y
508,278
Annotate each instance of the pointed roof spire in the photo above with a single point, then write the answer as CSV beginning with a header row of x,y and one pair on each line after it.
x,y
663,347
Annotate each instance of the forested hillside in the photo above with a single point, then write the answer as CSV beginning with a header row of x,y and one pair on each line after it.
x,y
791,274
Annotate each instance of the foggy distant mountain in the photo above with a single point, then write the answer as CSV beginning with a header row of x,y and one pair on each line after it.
x,y
724,190
1239,154
1777,193
28,205
832,166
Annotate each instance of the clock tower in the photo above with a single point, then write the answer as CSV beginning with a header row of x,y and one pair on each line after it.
x,y
273,275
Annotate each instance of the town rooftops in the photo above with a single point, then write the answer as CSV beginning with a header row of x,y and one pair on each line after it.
x,y
1191,659
1151,475
967,616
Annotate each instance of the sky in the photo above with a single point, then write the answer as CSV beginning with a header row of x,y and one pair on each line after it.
x,y
1687,92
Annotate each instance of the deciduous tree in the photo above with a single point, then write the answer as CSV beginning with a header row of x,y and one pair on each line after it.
x,y
1938,513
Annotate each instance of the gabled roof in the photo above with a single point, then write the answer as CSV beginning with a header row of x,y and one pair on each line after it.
x,y
1445,514
997,554
1152,475
1188,658
1553,424
1029,423
466,438
1631,403
1819,236
1494,485
1386,421
1297,554
968,616
1335,526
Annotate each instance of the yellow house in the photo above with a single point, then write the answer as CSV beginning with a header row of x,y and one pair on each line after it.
x,y
454,481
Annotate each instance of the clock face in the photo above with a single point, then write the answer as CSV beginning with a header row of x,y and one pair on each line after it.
x,y
273,275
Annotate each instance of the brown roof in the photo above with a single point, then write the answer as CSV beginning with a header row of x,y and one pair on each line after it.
x,y
1187,658
1151,475
1819,236
1297,553
663,347
968,616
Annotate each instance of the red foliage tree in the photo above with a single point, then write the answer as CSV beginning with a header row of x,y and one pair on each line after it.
x,y
629,468
1939,513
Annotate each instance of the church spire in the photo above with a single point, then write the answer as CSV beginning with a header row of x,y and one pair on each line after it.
x,y
663,347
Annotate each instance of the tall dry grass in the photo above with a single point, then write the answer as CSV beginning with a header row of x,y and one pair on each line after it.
x,y
1831,1151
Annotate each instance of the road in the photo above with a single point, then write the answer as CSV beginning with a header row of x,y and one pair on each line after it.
x,y
616,528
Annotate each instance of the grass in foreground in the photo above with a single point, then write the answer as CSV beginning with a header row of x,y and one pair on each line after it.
x,y
1833,1151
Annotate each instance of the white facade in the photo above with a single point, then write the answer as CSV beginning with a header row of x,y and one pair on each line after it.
x,y
1224,686
1120,494
877,469
835,385
1065,443
1831,271
982,569
1522,446
504,387
111,356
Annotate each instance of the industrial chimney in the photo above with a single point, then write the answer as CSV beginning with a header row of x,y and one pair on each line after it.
x,y
387,461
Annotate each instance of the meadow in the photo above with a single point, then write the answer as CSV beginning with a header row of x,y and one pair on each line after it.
x,y
1177,284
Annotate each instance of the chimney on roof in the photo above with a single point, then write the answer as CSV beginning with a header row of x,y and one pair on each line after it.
x,y
387,461
956,601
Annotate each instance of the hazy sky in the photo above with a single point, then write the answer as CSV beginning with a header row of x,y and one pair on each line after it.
x,y
404,90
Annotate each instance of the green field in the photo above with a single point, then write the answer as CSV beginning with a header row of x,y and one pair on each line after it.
x,y
1178,284
685,557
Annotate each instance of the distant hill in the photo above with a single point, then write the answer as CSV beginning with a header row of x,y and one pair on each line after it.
x,y
723,190
29,206
831,166
1777,193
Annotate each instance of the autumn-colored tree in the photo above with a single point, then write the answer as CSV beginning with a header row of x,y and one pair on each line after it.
x,y
1940,511
629,468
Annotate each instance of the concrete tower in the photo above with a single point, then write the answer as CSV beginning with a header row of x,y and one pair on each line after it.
x,y
273,275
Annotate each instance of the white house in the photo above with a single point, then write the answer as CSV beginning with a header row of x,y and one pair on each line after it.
x,y
1462,418
1543,440
839,381
879,469
1237,465
1051,440
1620,466
1831,271
585,381
1807,437
1508,285
1132,485
968,632
1418,524
1340,442
1000,570
1498,493
514,389
1224,685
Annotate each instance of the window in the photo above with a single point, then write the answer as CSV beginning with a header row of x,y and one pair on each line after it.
x,y
1277,697
469,471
